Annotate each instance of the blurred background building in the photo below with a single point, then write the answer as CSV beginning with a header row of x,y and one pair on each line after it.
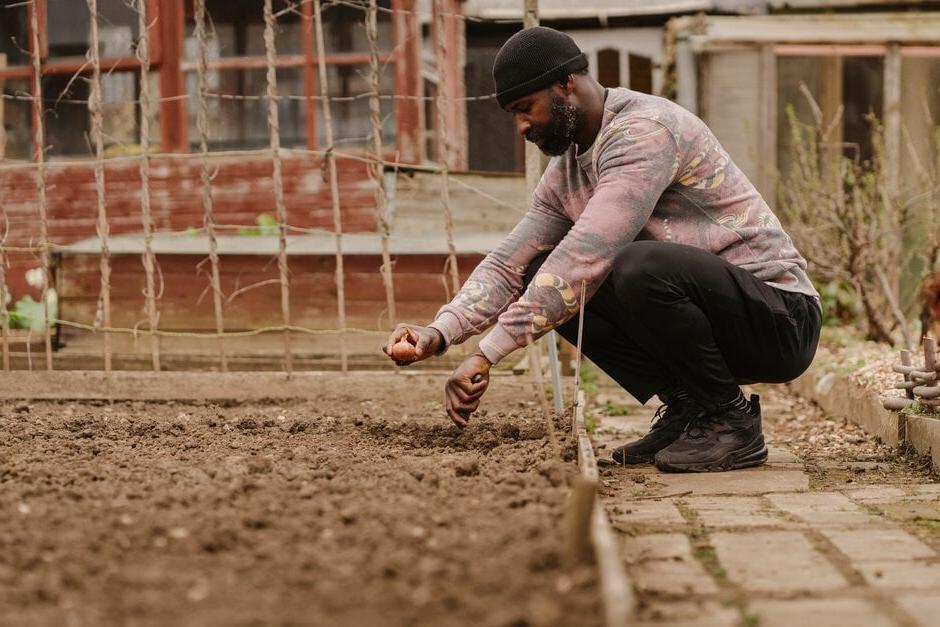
x,y
739,64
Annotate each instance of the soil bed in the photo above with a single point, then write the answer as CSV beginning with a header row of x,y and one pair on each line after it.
x,y
365,507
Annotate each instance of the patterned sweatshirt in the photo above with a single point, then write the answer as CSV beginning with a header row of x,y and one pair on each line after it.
x,y
654,172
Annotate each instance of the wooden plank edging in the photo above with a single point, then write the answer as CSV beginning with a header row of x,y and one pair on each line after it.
x,y
616,588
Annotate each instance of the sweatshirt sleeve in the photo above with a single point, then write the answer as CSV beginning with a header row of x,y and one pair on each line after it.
x,y
635,161
497,281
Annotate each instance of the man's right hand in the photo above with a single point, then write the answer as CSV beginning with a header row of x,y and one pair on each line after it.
x,y
427,342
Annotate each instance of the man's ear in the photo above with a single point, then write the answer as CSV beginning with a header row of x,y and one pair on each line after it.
x,y
567,84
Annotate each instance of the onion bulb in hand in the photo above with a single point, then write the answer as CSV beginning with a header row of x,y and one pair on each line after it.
x,y
403,350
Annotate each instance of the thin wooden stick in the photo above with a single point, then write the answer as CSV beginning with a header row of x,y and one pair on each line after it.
x,y
39,155
906,361
539,381
146,104
577,357
377,169
97,134
202,122
275,131
554,367
5,322
442,147
334,185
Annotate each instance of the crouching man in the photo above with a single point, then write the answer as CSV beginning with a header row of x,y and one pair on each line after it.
x,y
692,285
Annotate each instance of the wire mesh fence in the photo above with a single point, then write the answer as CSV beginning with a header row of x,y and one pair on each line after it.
x,y
346,162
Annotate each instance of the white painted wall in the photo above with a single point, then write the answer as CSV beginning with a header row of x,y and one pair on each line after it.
x,y
647,42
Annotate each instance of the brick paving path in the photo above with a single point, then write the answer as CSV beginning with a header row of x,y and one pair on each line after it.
x,y
765,547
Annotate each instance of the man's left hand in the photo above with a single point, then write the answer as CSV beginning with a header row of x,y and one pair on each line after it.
x,y
465,387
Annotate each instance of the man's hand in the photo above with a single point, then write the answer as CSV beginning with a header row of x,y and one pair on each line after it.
x,y
426,341
465,387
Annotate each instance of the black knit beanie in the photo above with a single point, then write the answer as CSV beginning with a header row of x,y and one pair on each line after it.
x,y
533,59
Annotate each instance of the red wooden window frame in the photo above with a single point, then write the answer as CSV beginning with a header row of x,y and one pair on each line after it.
x,y
167,28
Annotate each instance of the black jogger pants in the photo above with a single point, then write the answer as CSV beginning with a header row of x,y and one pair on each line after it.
x,y
671,317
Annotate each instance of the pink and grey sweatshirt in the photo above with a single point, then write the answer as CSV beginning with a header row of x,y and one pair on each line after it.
x,y
654,172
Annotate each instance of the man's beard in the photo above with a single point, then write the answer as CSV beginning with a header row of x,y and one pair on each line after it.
x,y
558,135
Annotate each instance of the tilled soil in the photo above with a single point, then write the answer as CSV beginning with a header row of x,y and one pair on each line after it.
x,y
366,507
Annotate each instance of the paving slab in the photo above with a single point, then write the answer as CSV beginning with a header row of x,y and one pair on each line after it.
x,y
656,546
734,511
876,493
663,563
818,613
910,509
645,512
795,565
823,508
878,545
750,481
922,607
909,575
777,455
694,613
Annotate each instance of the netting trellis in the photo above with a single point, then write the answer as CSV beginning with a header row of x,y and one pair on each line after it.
x,y
375,159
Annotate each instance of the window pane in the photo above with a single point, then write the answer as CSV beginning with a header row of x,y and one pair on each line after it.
x,y
345,31
351,122
920,116
863,95
853,83
68,121
17,140
14,38
243,124
641,73
68,28
236,29
608,67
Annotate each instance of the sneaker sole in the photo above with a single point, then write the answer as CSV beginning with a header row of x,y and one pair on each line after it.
x,y
754,454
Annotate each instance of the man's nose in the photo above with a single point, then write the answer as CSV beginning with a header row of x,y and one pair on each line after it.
x,y
523,126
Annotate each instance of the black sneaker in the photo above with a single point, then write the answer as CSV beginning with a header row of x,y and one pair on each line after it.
x,y
668,423
717,442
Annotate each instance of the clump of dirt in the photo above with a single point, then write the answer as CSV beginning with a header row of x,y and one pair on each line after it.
x,y
365,507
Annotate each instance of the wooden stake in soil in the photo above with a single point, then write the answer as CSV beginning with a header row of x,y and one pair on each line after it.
x,y
442,147
578,519
274,127
906,361
543,401
39,156
334,185
377,169
149,261
577,358
97,135
202,122
5,322
930,355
